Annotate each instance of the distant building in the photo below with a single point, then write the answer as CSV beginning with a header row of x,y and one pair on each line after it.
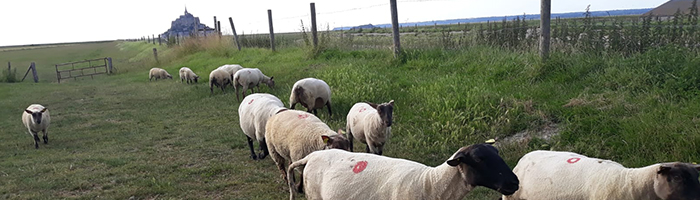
x,y
670,8
185,25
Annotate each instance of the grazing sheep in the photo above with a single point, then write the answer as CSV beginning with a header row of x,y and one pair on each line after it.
x,y
333,174
219,78
253,114
312,94
565,175
250,78
291,134
231,69
158,73
186,74
36,118
370,124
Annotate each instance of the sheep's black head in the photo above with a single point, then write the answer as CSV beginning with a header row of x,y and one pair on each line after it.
x,y
36,116
336,141
677,181
196,78
480,165
386,112
271,83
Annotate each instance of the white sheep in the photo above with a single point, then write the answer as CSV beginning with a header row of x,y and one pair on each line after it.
x,y
158,73
186,74
334,174
565,175
312,94
36,118
253,113
250,78
231,69
291,134
370,124
219,78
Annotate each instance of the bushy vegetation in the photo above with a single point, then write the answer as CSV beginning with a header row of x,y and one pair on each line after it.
x,y
9,76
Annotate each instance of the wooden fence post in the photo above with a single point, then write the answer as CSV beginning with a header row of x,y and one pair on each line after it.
x,y
149,39
9,67
154,38
235,36
155,54
36,76
272,32
216,28
545,15
109,64
395,28
160,43
314,33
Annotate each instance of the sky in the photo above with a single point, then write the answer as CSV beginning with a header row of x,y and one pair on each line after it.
x,y
54,21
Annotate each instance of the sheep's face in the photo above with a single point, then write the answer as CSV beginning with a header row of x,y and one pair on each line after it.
x,y
169,76
196,78
678,181
386,112
36,116
270,83
480,165
336,142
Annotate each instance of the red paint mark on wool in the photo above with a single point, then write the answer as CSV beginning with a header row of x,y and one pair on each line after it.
x,y
573,160
251,101
359,167
304,116
362,109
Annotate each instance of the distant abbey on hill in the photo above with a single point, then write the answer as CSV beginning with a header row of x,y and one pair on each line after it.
x,y
185,25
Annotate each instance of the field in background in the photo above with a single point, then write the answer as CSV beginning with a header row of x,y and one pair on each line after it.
x,y
120,136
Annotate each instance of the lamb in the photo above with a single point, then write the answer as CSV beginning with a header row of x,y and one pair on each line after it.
x,y
312,94
231,69
253,114
291,134
36,118
186,74
158,73
370,124
251,78
219,78
334,174
566,175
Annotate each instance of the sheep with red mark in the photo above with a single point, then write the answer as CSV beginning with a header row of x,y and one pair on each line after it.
x,y
251,78
312,94
334,174
292,134
36,118
565,175
186,74
253,114
371,124
219,78
158,73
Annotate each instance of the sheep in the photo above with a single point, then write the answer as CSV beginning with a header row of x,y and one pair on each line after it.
x,y
158,73
370,124
36,118
250,78
231,69
566,175
292,134
186,74
253,114
312,94
334,174
219,78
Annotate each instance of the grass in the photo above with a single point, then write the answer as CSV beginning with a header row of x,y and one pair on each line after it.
x,y
120,135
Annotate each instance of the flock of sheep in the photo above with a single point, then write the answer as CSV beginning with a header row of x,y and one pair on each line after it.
x,y
300,141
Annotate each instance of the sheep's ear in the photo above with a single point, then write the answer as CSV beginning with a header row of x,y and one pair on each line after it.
x,y
28,111
454,162
44,110
461,157
326,139
391,102
272,77
663,169
374,105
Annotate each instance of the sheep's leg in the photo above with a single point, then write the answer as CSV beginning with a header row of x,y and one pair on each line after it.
x,y
367,149
349,136
263,147
315,113
36,140
292,106
280,164
252,151
300,186
46,136
328,104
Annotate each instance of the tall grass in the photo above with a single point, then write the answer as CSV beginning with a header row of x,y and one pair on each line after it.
x,y
9,75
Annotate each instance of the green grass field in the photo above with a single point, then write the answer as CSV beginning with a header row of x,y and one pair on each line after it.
x,y
121,136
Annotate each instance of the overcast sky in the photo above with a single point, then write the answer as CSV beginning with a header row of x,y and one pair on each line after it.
x,y
51,21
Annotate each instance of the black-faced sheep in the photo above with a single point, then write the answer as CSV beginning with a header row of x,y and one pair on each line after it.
x,y
36,118
250,78
186,74
158,73
312,94
370,124
253,114
334,174
565,175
